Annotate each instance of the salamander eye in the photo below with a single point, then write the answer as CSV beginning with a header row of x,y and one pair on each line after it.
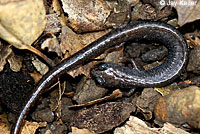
x,y
192,36
100,80
102,66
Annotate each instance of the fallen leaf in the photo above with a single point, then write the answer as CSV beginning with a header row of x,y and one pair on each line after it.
x,y
84,89
137,126
181,107
115,94
59,11
88,38
5,52
29,127
188,10
167,89
36,76
15,62
4,124
53,46
42,124
103,117
86,15
40,67
72,43
146,102
81,131
22,21
53,24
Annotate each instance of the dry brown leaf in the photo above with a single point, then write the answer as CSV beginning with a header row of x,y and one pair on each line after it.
x,y
53,46
22,21
36,76
167,89
103,117
115,94
15,62
181,107
88,38
146,101
5,52
137,126
40,67
81,131
72,43
59,11
42,124
86,15
53,24
29,127
188,10
84,89
4,124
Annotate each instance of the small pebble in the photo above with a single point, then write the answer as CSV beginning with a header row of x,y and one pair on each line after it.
x,y
43,115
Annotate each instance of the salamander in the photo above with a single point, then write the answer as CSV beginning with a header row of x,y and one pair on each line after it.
x,y
136,31
114,75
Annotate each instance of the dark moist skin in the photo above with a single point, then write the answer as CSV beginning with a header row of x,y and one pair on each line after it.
x,y
114,75
161,75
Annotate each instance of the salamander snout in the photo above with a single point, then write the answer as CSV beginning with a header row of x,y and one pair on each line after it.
x,y
100,80
97,73
97,77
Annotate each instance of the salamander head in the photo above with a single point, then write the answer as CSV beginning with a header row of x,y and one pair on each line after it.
x,y
100,72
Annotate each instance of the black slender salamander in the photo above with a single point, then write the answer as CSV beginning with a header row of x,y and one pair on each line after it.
x,y
114,75
135,31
